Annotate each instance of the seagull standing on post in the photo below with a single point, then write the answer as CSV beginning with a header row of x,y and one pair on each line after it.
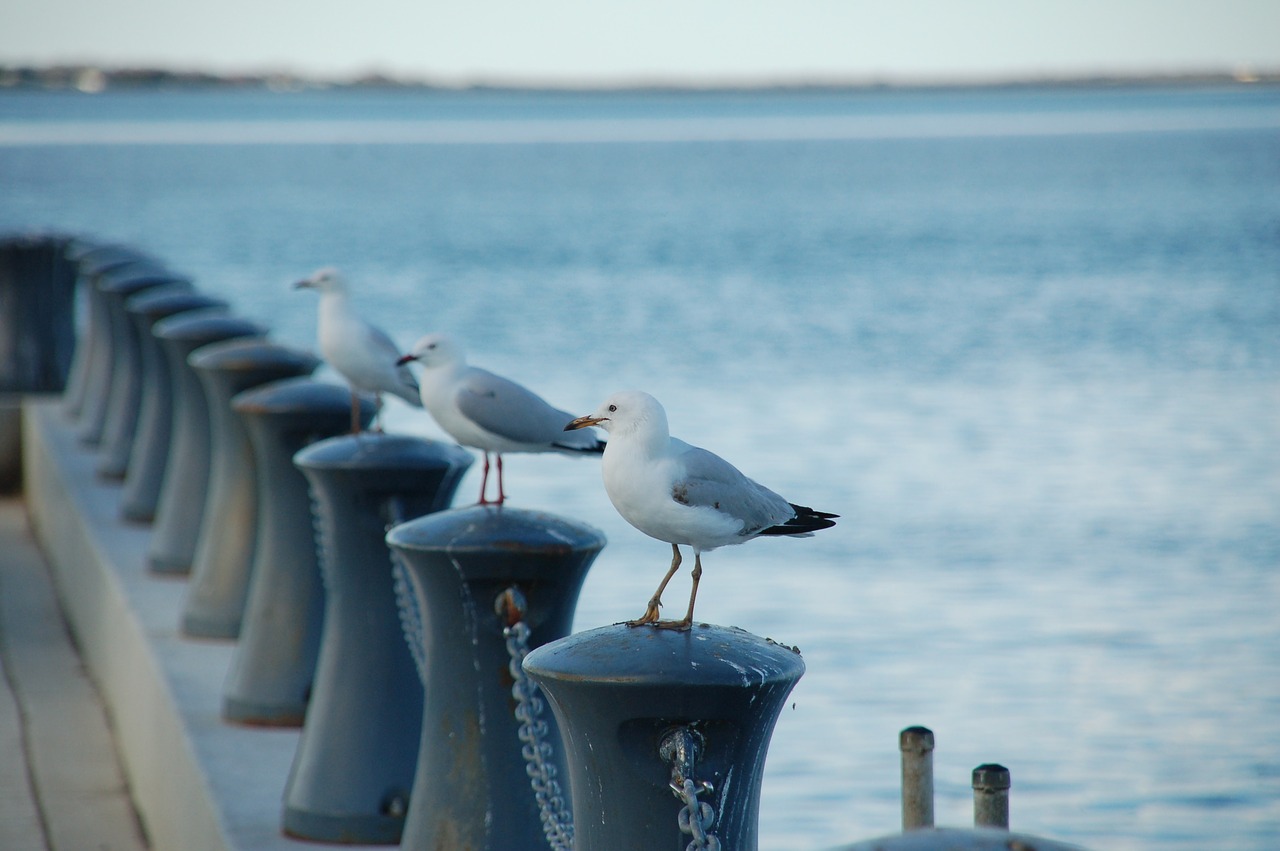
x,y
683,494
361,353
489,412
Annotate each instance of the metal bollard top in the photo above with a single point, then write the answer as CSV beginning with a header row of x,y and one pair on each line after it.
x,y
205,326
644,657
490,528
302,396
124,281
244,354
991,777
915,740
154,305
393,456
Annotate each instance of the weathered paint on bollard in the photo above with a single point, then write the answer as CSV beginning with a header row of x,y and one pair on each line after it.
x,y
275,660
916,745
220,571
183,494
91,347
354,768
991,796
149,452
645,710
475,572
121,418
108,286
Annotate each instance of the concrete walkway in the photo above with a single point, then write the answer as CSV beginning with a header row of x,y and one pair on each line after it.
x,y
61,785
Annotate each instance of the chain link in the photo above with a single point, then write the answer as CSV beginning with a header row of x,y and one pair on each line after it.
x,y
557,819
680,747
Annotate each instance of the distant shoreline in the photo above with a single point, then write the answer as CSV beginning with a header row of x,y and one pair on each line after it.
x,y
94,79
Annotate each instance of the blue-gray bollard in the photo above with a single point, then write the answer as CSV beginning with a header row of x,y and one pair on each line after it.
x,y
37,317
149,452
916,745
274,662
354,767
121,416
645,711
491,583
98,389
220,571
91,348
186,479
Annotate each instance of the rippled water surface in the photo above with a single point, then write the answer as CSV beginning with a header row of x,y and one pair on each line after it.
x,y
1025,342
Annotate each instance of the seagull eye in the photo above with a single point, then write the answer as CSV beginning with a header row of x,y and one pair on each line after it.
x,y
613,409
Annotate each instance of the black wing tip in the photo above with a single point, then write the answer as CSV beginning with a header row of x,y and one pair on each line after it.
x,y
596,448
806,521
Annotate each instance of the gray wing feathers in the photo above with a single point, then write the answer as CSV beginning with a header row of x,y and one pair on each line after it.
x,y
379,341
712,482
509,410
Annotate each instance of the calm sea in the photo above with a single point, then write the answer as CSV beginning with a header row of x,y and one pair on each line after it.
x,y
1025,342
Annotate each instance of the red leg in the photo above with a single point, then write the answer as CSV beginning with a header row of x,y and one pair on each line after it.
x,y
502,495
484,479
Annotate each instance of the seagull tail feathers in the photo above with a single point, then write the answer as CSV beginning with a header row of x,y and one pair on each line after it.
x,y
805,522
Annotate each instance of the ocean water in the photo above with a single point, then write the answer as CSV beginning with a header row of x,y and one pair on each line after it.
x,y
1025,342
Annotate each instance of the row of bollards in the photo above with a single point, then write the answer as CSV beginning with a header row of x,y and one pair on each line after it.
x,y
425,652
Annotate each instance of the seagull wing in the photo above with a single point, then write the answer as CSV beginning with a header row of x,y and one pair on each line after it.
x,y
384,348
709,481
504,408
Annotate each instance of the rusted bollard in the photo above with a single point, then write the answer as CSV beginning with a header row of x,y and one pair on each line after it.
x,y
646,711
275,660
220,570
991,796
182,495
354,768
916,745
489,584
149,450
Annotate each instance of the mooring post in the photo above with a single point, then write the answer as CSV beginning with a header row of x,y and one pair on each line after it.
x,y
180,508
37,328
120,419
665,731
489,584
149,447
220,571
916,745
91,261
274,662
111,386
354,767
991,784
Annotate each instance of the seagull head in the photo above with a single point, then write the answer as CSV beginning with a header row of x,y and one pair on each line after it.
x,y
626,412
434,350
326,280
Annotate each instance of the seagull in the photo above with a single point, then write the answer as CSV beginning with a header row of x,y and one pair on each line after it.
x,y
683,494
362,353
489,412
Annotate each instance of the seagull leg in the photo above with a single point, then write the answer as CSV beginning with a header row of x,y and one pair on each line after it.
x,y
687,620
651,611
484,479
355,412
377,412
502,495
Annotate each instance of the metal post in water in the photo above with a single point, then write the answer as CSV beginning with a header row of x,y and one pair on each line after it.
x,y
149,449
275,659
489,584
130,278
991,784
120,418
355,763
91,261
182,495
665,732
220,570
916,744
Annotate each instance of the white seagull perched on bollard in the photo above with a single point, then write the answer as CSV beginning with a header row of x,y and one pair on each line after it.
x,y
683,494
489,412
361,353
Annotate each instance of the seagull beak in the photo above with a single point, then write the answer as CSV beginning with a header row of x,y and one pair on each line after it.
x,y
304,284
404,359
583,422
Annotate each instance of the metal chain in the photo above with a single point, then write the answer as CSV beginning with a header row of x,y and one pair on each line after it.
x,y
680,747
557,819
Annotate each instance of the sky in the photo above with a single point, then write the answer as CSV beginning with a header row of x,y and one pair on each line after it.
x,y
627,41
